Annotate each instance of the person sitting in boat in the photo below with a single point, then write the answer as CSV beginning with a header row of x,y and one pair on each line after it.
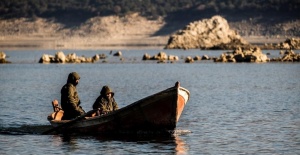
x,y
70,101
105,102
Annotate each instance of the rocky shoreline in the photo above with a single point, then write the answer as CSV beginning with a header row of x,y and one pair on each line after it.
x,y
129,32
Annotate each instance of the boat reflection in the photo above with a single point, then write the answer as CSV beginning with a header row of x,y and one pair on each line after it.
x,y
181,146
173,143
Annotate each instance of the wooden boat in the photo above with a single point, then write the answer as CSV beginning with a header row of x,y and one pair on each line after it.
x,y
156,113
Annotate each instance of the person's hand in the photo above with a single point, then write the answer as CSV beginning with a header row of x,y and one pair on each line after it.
x,y
77,117
81,109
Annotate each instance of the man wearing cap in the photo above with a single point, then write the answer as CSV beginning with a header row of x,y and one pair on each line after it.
x,y
69,98
105,102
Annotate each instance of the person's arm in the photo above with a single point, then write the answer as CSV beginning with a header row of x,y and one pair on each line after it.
x,y
74,101
115,105
96,103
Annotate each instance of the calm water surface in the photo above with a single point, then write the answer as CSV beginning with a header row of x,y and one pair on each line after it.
x,y
234,108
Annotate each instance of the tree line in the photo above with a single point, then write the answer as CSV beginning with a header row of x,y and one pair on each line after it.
x,y
148,8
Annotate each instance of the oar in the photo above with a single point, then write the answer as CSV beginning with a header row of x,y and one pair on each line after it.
x,y
70,122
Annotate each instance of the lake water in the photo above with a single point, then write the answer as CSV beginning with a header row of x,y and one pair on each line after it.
x,y
234,108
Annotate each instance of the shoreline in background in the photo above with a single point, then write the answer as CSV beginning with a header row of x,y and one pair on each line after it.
x,y
112,32
19,43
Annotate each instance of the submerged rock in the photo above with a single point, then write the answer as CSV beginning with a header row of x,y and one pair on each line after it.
x,y
243,55
189,59
161,57
60,57
119,53
288,56
292,43
2,55
3,58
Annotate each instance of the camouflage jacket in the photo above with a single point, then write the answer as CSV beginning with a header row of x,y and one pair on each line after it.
x,y
105,105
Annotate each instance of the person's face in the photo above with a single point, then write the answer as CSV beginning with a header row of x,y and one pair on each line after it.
x,y
108,95
77,81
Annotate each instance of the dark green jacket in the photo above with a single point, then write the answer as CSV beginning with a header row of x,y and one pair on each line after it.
x,y
103,103
70,100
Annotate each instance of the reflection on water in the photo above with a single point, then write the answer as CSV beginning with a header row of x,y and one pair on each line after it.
x,y
119,144
181,147
137,143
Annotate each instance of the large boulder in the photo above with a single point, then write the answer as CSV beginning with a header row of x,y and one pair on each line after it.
x,y
60,57
2,55
189,59
71,58
146,56
162,56
46,58
211,33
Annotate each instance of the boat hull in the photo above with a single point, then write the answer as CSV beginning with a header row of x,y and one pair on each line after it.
x,y
157,113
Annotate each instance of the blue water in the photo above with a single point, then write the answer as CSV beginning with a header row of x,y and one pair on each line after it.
x,y
234,108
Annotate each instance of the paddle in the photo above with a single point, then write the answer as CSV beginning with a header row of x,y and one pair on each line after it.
x,y
70,122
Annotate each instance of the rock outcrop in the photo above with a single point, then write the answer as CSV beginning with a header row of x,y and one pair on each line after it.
x,y
189,59
3,58
2,55
287,56
161,57
118,54
292,43
243,55
211,33
60,57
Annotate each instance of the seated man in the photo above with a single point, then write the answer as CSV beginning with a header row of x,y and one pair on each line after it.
x,y
105,102
69,98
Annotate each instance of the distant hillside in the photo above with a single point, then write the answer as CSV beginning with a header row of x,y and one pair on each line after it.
x,y
83,24
248,17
